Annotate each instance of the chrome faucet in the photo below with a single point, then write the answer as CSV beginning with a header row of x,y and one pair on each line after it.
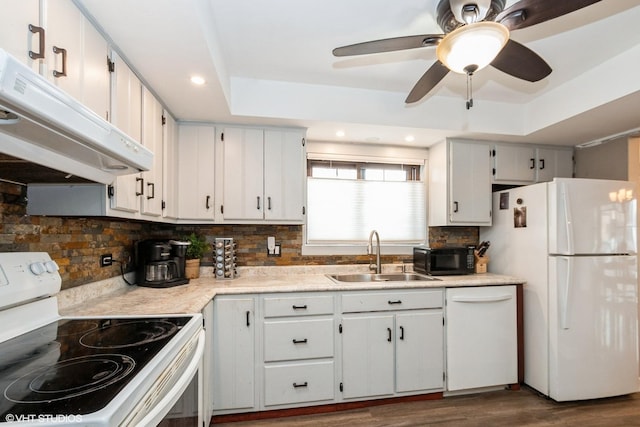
x,y
378,267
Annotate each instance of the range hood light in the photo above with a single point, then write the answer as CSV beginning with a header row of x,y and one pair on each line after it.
x,y
116,167
8,118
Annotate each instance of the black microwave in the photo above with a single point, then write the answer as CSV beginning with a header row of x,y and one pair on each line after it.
x,y
444,261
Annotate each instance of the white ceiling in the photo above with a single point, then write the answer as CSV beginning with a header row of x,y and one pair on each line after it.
x,y
269,62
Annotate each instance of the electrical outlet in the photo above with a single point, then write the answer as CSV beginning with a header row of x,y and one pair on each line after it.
x,y
106,260
275,251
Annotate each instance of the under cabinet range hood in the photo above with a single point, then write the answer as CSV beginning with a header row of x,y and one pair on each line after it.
x,y
42,124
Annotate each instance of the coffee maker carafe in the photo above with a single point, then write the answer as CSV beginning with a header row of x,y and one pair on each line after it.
x,y
160,263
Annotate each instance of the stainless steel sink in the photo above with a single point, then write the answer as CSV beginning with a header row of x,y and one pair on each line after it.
x,y
371,277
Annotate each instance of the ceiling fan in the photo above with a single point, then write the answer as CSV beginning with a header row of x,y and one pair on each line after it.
x,y
476,34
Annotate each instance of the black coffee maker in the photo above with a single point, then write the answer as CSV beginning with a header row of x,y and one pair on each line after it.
x,y
161,263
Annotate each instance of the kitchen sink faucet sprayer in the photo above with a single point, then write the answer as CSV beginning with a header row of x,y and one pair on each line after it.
x,y
378,266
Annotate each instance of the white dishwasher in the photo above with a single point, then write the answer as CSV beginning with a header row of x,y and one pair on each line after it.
x,y
481,331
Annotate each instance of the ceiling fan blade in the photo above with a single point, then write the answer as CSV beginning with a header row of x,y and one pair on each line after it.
x,y
427,82
530,12
521,62
389,45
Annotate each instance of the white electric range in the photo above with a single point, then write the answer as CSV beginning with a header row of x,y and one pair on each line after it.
x,y
88,371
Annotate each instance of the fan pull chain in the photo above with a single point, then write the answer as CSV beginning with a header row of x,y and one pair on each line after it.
x,y
470,69
469,91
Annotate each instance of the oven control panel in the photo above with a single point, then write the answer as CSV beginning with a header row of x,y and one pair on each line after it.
x,y
25,276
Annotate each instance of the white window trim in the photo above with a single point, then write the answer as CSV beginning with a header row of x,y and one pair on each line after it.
x,y
318,150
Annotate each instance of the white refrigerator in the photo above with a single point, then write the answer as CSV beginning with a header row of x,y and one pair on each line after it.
x,y
574,241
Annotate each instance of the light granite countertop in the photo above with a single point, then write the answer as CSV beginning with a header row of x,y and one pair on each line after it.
x,y
116,298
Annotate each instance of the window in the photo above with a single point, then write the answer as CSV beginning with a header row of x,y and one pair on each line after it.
x,y
346,200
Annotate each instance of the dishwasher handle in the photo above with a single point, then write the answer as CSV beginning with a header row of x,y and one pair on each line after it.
x,y
482,299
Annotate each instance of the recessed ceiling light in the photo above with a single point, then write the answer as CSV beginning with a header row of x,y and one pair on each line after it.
x,y
340,133
197,80
409,138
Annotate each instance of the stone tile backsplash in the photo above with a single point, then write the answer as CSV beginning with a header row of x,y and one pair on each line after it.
x,y
76,243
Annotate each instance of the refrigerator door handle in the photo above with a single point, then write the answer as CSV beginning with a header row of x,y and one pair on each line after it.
x,y
564,293
568,216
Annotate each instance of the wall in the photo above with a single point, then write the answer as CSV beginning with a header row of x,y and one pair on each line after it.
x,y
604,161
77,243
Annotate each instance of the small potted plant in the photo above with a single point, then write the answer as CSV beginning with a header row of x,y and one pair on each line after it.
x,y
198,246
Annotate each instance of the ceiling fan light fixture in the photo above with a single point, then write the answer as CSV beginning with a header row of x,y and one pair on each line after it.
x,y
475,44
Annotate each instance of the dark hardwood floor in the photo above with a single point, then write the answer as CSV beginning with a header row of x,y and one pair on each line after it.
x,y
500,408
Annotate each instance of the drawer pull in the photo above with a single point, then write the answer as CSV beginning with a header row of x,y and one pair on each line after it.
x,y
300,307
304,384
395,302
248,321
303,341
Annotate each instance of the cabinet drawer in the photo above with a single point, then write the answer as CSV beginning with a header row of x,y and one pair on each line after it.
x,y
386,301
304,382
303,305
298,339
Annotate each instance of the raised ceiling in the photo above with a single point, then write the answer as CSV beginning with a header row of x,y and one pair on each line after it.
x,y
269,62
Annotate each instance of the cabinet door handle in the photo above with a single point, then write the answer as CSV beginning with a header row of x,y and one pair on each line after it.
x,y
455,206
62,52
304,384
248,318
206,203
141,181
152,195
402,332
541,164
302,341
300,307
392,302
258,205
37,55
533,163
389,332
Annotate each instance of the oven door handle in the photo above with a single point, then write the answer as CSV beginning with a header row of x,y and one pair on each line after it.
x,y
163,407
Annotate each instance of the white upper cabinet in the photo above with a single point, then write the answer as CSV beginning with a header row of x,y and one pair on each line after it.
x,y
243,174
95,71
16,36
196,178
76,55
553,163
170,167
126,110
514,163
460,183
525,164
63,53
263,174
152,122
284,174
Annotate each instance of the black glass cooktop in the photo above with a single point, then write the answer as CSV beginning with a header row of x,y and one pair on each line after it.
x,y
77,366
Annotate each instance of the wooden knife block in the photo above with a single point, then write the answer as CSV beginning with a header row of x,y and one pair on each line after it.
x,y
481,262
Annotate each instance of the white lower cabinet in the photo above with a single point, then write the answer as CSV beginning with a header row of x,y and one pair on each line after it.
x,y
286,350
393,345
367,356
293,383
234,354
482,347
298,338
